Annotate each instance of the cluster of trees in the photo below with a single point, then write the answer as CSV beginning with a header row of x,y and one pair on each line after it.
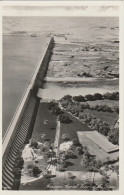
x,y
33,143
36,171
76,148
62,157
97,96
18,165
54,108
103,108
75,107
63,118
90,162
93,165
89,97
65,137
67,97
95,123
76,142
33,169
111,96
50,154
113,135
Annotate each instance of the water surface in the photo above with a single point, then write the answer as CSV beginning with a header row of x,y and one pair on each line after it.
x,y
57,91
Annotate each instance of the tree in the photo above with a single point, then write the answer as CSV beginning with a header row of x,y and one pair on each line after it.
x,y
114,96
106,95
17,173
105,181
50,154
81,115
111,96
79,150
70,175
89,97
19,162
30,167
116,109
67,97
63,118
76,142
36,171
16,184
51,105
65,137
65,103
69,153
79,98
33,143
54,108
113,136
97,96
106,168
117,170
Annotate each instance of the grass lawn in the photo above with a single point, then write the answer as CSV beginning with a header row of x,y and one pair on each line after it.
x,y
108,117
39,127
71,129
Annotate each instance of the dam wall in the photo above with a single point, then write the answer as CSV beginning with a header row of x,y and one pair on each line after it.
x,y
23,121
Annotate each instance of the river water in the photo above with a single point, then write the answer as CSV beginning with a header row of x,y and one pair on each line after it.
x,y
56,91
21,51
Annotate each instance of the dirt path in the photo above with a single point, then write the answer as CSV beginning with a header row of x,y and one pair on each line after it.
x,y
56,143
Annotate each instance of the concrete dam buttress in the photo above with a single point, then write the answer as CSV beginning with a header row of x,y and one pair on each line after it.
x,y
21,126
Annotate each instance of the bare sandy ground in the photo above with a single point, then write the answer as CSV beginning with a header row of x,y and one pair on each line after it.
x,y
65,146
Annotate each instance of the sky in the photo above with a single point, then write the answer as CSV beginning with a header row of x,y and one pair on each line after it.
x,y
60,10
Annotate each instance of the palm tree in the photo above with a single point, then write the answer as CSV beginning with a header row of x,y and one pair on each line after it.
x,y
30,168
70,175
93,176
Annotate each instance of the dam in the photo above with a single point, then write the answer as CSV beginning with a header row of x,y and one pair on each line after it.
x,y
22,123
61,71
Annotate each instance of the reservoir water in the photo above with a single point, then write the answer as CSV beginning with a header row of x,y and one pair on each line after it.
x,y
57,91
20,58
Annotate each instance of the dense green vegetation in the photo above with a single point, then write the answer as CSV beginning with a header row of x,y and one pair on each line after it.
x,y
63,118
68,132
77,157
108,117
85,113
97,96
54,108
113,135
